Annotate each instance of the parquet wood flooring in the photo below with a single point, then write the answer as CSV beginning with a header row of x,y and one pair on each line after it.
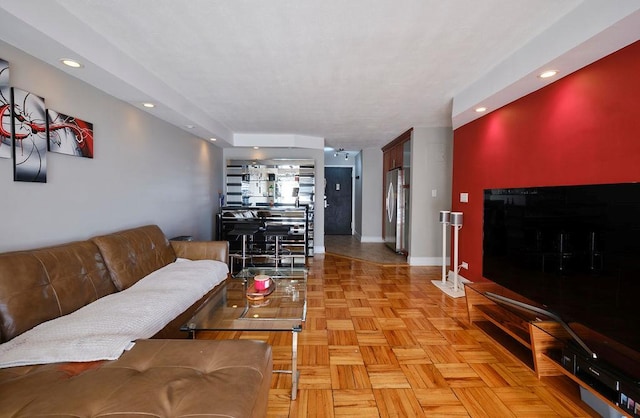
x,y
384,342
348,246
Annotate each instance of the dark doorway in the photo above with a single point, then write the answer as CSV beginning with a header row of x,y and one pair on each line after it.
x,y
337,212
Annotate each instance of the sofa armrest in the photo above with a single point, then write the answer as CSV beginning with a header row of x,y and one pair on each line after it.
x,y
202,250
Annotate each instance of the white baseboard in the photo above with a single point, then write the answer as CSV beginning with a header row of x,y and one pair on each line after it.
x,y
371,239
425,261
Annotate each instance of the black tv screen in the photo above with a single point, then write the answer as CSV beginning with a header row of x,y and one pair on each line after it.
x,y
573,249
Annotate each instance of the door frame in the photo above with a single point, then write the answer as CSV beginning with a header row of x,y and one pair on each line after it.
x,y
353,189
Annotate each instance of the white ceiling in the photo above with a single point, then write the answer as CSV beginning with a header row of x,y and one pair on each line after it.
x,y
354,72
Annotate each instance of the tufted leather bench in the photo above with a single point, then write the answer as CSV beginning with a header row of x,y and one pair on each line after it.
x,y
157,378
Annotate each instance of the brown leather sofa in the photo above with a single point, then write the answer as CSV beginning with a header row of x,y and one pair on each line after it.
x,y
158,377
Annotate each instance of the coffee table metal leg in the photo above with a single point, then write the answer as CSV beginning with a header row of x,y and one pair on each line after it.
x,y
295,375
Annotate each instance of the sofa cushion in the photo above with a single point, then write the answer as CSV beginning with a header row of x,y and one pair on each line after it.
x,y
202,250
157,378
132,254
48,283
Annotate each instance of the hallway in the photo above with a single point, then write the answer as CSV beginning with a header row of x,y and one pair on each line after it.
x,y
350,247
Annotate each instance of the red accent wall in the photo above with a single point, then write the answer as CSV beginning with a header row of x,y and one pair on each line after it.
x,y
581,129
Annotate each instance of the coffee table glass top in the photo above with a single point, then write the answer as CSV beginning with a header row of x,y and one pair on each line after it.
x,y
229,309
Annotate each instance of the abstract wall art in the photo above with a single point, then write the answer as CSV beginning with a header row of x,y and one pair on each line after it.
x,y
29,137
28,131
4,73
69,135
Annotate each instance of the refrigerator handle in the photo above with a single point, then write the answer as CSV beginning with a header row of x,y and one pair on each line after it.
x,y
390,202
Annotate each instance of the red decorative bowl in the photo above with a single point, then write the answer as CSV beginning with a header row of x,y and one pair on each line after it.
x,y
262,282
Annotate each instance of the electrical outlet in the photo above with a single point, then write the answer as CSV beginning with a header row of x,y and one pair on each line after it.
x,y
465,265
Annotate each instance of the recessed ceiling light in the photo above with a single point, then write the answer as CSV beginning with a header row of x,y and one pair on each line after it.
x,y
481,109
212,139
71,63
149,105
256,147
548,73
189,126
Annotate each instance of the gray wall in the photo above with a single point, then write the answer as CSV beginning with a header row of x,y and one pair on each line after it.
x,y
339,161
357,196
299,153
144,170
431,169
371,182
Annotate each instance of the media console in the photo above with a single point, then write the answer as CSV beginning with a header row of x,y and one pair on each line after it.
x,y
551,347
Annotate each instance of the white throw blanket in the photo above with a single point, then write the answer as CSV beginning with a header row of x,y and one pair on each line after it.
x,y
103,329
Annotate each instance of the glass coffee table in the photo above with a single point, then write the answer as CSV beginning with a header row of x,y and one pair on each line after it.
x,y
231,308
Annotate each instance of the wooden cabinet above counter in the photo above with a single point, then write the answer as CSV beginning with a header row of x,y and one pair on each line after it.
x,y
393,152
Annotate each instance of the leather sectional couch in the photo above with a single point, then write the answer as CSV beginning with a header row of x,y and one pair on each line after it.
x,y
164,376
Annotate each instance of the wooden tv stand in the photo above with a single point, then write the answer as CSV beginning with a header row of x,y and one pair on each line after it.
x,y
532,338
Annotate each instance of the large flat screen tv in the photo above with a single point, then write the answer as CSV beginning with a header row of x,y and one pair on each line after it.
x,y
573,249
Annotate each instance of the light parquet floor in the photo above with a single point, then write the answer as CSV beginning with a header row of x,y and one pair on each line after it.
x,y
384,342
350,247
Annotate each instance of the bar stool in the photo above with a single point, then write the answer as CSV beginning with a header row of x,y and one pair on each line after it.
x,y
277,232
243,230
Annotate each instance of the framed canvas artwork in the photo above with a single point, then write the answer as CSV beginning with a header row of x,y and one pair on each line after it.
x,y
69,135
5,111
29,137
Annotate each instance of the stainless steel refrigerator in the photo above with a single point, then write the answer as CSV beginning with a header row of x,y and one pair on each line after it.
x,y
394,211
